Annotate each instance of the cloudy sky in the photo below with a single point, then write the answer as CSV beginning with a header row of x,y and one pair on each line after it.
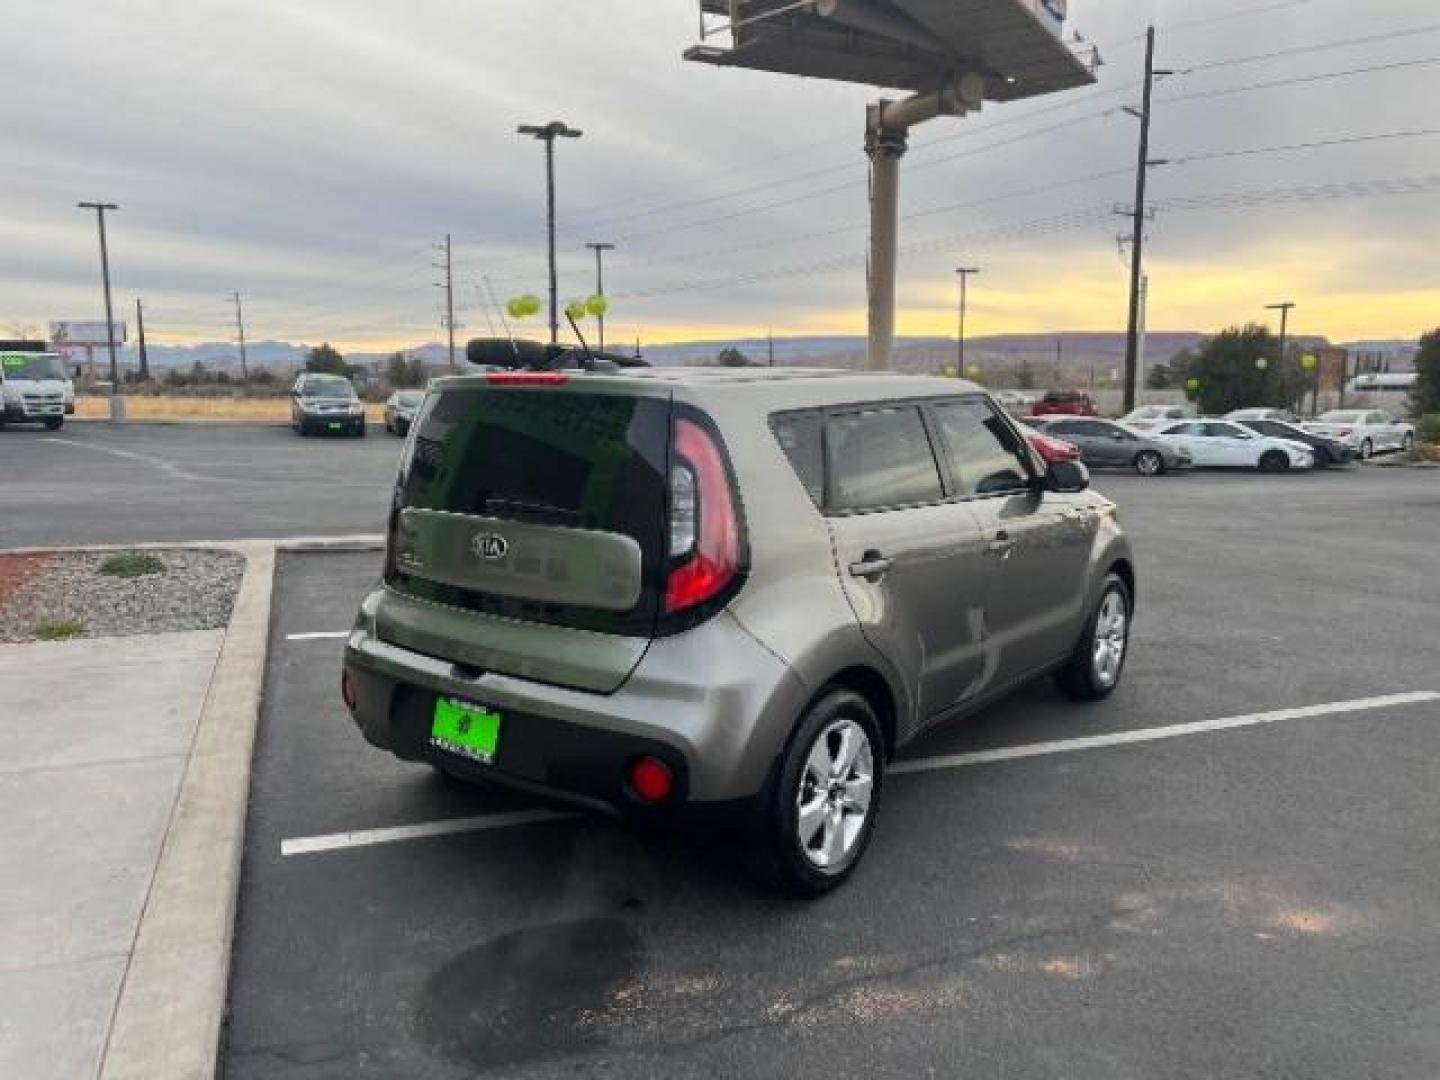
x,y
310,153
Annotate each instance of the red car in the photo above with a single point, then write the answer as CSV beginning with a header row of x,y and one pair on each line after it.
x,y
1050,448
1066,403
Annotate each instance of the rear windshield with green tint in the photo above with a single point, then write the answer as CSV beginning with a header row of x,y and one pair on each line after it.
x,y
546,456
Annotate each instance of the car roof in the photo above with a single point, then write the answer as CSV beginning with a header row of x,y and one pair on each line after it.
x,y
778,388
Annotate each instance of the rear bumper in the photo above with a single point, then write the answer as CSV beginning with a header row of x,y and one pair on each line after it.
x,y
713,704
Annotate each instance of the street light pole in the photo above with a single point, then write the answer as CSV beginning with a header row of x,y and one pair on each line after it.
x,y
1284,308
548,133
600,249
964,272
100,208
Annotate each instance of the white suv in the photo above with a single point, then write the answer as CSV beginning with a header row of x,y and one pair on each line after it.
x,y
1367,431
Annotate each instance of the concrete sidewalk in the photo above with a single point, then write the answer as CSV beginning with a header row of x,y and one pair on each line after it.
x,y
98,735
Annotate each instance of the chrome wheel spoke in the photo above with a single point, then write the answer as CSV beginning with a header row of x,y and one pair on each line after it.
x,y
836,788
834,846
857,794
812,817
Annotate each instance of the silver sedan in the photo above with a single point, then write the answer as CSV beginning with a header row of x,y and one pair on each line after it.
x,y
1105,443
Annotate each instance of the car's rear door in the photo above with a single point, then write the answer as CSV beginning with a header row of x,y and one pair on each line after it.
x,y
911,559
528,530
1037,542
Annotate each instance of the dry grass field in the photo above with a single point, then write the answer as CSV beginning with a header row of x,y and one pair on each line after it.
x,y
253,410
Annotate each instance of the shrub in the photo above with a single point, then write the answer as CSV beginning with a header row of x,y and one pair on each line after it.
x,y
60,629
132,564
1427,430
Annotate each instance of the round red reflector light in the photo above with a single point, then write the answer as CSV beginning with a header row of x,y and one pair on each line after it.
x,y
651,779
347,690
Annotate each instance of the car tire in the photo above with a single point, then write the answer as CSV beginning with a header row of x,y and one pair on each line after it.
x,y
1149,463
1274,461
815,838
1092,674
54,423
360,430
1367,450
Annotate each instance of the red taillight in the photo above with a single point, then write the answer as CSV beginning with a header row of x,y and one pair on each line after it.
x,y
527,378
1052,449
705,531
651,779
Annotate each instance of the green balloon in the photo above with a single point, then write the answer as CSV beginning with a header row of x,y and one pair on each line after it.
x,y
1262,363
596,305
1309,362
950,371
575,309
1192,384
973,371
521,307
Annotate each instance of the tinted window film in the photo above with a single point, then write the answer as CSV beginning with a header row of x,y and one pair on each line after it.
x,y
544,457
880,457
799,435
979,448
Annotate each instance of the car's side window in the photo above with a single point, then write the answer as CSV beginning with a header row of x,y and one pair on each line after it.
x,y
799,435
1065,427
979,448
880,458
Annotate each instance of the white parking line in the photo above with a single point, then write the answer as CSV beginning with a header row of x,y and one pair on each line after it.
x,y
318,635
366,837
309,845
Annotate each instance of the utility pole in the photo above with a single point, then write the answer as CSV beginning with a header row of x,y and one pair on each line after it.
x,y
548,133
770,345
449,286
140,330
1137,248
100,208
600,249
1285,307
240,327
964,272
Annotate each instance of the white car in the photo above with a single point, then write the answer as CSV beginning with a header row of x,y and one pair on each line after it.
x,y
1016,401
1221,444
1151,417
1367,431
1285,416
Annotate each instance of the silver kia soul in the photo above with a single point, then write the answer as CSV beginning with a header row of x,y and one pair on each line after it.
x,y
737,590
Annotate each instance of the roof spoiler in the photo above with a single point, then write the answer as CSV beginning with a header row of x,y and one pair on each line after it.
x,y
522,355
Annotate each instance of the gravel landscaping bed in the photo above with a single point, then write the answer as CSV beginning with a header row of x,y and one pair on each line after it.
x,y
67,595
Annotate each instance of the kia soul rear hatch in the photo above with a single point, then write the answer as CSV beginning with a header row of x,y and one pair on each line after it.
x,y
530,523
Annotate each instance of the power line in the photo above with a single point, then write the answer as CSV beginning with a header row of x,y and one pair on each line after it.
x,y
1304,50
1298,80
1286,148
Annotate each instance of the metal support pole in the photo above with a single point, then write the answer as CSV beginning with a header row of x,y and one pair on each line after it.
x,y
885,148
240,329
550,232
140,331
964,272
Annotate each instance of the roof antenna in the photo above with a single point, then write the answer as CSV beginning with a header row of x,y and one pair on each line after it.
x,y
503,321
589,356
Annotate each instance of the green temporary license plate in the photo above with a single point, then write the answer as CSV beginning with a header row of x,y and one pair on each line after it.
x,y
471,731
334,427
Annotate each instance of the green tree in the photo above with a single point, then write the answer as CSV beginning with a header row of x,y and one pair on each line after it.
x,y
732,357
325,360
1242,367
404,372
1167,374
1025,378
1425,398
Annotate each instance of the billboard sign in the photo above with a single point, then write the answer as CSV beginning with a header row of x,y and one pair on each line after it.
x,y
84,333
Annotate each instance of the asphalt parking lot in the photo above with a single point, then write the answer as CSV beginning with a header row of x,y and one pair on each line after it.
x,y
1252,898
94,483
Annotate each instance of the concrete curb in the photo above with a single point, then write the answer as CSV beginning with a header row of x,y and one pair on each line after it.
x,y
359,542
171,1005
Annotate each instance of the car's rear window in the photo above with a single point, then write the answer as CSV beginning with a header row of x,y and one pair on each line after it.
x,y
546,457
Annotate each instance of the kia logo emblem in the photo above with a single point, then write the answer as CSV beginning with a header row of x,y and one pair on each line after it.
x,y
489,546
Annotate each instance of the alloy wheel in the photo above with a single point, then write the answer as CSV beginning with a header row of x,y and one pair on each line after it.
x,y
832,804
1112,630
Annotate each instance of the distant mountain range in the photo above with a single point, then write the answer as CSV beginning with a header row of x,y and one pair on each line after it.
x,y
1050,356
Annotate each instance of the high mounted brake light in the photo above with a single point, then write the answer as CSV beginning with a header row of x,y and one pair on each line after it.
x,y
704,525
527,378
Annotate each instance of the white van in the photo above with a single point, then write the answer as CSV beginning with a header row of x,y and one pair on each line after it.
x,y
35,389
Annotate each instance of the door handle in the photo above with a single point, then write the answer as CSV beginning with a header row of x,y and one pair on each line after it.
x,y
872,566
1002,545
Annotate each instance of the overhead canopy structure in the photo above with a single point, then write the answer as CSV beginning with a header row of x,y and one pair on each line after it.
x,y
950,55
915,45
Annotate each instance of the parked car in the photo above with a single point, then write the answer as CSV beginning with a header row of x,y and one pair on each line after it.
x,y
1327,451
1283,415
1016,402
35,388
1048,447
695,591
1221,444
400,410
1105,443
326,403
1066,403
1368,431
1150,417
